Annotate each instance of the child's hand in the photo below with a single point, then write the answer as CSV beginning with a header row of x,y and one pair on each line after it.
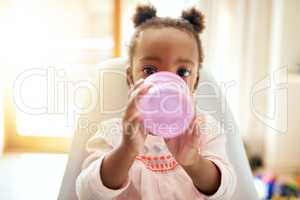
x,y
134,134
185,147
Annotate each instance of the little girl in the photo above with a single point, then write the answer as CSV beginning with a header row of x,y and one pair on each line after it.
x,y
126,162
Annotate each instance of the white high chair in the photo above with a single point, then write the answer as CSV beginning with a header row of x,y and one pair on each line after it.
x,y
110,80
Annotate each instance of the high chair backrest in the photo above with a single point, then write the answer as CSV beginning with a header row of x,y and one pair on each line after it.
x,y
109,79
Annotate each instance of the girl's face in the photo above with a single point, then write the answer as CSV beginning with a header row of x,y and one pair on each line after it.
x,y
165,49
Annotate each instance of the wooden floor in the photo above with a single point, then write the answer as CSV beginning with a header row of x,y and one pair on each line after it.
x,y
31,176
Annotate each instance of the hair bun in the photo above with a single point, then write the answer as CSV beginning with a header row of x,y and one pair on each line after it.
x,y
195,17
143,13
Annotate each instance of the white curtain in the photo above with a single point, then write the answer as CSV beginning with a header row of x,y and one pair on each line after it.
x,y
237,41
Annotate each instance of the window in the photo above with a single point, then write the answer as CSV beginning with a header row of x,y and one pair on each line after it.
x,y
47,45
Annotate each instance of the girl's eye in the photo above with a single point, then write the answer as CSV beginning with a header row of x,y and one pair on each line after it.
x,y
183,72
149,70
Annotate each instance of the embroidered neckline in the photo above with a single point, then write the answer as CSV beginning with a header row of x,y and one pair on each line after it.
x,y
158,163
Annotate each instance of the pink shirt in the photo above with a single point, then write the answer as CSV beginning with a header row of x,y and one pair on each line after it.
x,y
155,174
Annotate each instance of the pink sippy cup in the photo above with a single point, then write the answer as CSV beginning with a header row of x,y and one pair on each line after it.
x,y
167,108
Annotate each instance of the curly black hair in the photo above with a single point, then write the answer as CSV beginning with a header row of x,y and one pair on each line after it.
x,y
191,22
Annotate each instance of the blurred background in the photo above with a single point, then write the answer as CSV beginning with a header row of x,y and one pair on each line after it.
x,y
251,47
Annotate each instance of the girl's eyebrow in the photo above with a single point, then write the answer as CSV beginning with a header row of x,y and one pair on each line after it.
x,y
156,58
150,58
184,60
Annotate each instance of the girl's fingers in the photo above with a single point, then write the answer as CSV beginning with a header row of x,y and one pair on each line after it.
x,y
144,89
169,141
191,126
131,123
136,85
135,126
135,96
199,124
134,116
141,90
194,102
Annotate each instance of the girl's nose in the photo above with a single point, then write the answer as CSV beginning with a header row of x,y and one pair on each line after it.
x,y
168,69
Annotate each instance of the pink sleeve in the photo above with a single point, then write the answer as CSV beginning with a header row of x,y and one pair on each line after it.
x,y
89,184
213,148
